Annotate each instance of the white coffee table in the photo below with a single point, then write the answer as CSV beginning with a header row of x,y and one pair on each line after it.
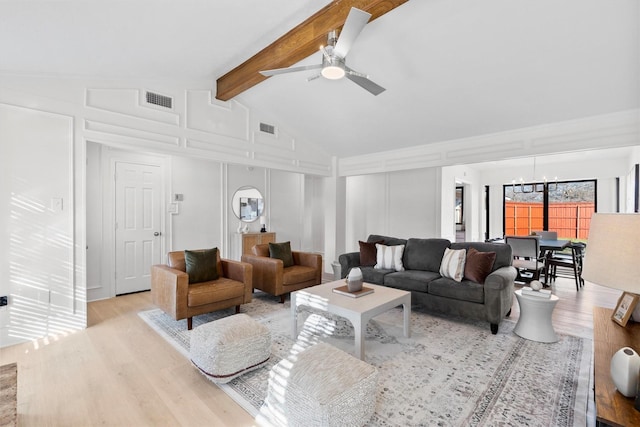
x,y
357,310
534,322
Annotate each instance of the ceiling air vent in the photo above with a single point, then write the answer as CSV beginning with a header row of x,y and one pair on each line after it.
x,y
270,129
160,100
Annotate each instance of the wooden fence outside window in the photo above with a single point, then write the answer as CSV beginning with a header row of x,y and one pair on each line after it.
x,y
570,220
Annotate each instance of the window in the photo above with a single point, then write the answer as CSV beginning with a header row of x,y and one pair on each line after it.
x,y
564,207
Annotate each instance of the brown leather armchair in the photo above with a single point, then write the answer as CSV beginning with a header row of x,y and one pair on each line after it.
x,y
171,291
269,274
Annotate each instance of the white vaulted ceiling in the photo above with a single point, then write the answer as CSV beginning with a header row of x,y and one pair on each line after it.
x,y
452,69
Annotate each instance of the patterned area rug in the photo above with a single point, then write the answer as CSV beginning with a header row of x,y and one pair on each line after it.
x,y
8,394
451,372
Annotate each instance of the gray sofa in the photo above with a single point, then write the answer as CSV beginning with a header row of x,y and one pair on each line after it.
x,y
490,301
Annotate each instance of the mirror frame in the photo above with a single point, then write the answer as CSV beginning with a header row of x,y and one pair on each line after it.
x,y
253,197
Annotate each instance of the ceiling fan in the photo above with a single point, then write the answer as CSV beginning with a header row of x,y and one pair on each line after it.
x,y
333,65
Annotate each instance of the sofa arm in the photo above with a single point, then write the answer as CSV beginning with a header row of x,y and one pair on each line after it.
x,y
500,279
498,293
347,262
169,289
241,272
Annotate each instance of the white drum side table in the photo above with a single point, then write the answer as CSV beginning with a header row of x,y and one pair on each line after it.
x,y
535,318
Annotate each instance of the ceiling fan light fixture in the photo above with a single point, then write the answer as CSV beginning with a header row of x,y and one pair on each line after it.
x,y
333,72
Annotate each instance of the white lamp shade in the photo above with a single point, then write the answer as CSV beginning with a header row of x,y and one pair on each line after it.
x,y
613,252
263,220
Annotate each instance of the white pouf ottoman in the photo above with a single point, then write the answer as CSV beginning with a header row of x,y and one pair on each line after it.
x,y
229,347
321,386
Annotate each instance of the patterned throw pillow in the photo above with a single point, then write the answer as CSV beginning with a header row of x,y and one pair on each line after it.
x,y
452,265
282,251
389,257
478,265
201,265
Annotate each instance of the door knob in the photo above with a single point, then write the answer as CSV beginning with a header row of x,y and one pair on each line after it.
x,y
157,233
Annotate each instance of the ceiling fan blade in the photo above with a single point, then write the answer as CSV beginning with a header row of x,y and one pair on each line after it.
x,y
356,20
363,81
277,71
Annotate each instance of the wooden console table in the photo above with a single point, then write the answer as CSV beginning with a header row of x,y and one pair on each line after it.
x,y
612,408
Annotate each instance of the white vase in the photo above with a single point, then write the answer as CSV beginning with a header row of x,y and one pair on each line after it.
x,y
625,366
354,280
239,229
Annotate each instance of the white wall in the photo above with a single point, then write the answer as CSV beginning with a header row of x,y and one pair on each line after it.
x,y
601,168
37,246
401,204
205,216
53,134
198,223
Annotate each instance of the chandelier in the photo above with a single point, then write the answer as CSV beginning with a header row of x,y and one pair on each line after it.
x,y
534,187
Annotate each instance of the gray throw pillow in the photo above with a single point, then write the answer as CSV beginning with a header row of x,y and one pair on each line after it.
x,y
281,251
201,265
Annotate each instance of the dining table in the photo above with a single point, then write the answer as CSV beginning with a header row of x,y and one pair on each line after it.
x,y
547,248
550,245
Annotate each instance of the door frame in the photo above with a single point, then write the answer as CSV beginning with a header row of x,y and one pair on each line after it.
x,y
110,157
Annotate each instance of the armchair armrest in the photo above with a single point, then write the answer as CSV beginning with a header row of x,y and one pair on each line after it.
x,y
309,259
347,262
241,272
169,289
267,272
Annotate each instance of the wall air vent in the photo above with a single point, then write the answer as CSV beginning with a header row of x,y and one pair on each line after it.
x,y
270,129
160,100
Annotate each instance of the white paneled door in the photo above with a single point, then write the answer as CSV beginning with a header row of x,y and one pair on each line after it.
x,y
138,232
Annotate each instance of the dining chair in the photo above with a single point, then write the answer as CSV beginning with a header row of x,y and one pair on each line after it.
x,y
526,256
546,235
570,263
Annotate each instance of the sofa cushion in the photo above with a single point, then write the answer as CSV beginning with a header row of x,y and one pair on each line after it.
x,y
282,251
389,257
464,291
502,250
214,291
452,265
424,254
368,253
478,265
200,265
410,280
373,275
297,274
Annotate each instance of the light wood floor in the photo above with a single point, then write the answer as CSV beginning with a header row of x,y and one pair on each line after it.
x,y
119,372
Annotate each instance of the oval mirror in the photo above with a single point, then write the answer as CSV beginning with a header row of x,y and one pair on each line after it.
x,y
247,204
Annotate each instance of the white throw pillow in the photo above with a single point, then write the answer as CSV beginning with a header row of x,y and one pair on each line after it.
x,y
389,257
452,265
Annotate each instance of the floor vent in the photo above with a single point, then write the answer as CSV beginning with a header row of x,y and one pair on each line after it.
x,y
267,128
160,100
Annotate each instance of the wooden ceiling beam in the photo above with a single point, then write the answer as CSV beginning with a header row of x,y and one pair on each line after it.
x,y
296,45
